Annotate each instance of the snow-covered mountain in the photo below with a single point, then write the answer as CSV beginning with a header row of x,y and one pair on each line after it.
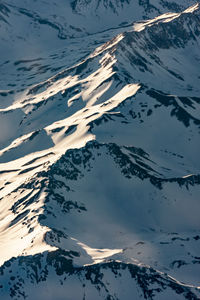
x,y
29,27
99,152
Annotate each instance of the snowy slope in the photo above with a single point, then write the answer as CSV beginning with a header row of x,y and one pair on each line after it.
x,y
30,27
99,165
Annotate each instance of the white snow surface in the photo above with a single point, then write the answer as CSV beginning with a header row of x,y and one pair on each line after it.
x,y
96,109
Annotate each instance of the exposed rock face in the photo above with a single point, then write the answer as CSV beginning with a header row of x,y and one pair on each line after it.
x,y
99,153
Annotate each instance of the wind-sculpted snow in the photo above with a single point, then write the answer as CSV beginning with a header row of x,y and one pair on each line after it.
x,y
99,163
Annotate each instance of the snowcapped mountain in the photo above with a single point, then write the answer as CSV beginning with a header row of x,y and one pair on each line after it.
x,y
99,150
28,27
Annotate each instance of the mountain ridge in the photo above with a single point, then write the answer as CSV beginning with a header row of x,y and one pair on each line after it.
x,y
94,158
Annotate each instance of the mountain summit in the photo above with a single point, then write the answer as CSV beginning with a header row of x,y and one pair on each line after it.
x,y
99,160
